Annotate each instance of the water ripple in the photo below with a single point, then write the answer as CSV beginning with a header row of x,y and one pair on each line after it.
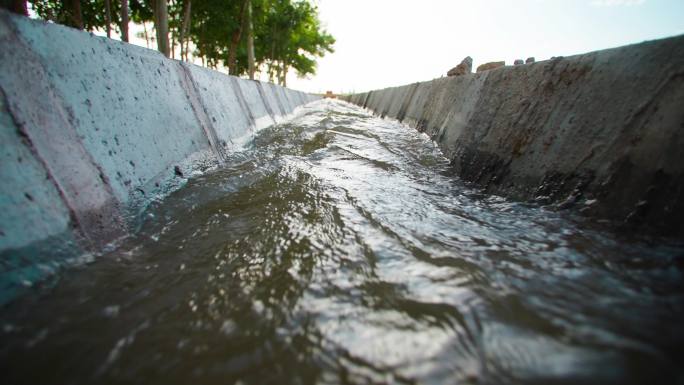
x,y
337,248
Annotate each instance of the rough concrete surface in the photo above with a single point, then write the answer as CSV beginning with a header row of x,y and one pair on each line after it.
x,y
601,132
92,128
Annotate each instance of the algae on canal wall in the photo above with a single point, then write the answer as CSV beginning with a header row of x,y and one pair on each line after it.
x,y
602,132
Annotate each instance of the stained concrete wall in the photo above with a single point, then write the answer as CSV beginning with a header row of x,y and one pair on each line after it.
x,y
90,127
601,132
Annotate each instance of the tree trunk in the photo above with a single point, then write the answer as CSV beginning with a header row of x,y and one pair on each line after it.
x,y
108,17
76,14
273,63
272,71
124,20
172,48
250,42
16,6
187,48
147,37
235,40
277,74
202,50
161,25
284,78
184,28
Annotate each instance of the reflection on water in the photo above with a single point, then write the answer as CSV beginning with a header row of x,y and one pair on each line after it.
x,y
337,250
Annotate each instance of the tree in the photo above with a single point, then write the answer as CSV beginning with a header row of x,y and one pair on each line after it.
x,y
124,20
185,25
75,13
251,64
161,24
16,6
235,38
84,14
243,36
108,17
215,30
142,12
296,39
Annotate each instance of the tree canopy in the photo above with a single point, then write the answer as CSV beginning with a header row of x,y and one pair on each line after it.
x,y
286,34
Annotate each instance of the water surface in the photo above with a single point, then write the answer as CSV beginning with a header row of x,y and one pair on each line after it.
x,y
337,249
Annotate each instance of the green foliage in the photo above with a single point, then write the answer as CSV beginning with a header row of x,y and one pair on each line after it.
x,y
62,12
296,37
287,33
92,12
213,22
141,10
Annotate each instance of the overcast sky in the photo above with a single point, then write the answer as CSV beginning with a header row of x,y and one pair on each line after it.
x,y
382,43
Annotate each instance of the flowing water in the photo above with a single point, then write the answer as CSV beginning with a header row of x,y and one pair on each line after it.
x,y
337,248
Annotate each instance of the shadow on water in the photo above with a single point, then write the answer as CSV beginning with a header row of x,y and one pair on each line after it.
x,y
336,249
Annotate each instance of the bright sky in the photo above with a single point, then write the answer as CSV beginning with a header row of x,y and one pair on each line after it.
x,y
383,43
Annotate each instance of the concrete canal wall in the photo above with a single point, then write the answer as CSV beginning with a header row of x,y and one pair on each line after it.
x,y
91,126
601,132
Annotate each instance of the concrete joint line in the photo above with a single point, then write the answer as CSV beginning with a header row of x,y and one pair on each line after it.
x,y
407,102
26,140
260,89
42,118
279,102
241,100
285,95
195,99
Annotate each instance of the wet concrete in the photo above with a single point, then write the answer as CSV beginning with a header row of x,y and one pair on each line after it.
x,y
94,129
600,132
338,249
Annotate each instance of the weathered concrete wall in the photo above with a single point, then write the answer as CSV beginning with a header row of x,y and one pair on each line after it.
x,y
90,127
602,132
